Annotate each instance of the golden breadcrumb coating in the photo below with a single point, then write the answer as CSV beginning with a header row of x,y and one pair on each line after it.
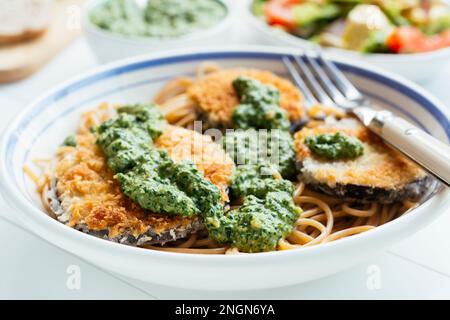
x,y
379,166
87,188
209,157
215,96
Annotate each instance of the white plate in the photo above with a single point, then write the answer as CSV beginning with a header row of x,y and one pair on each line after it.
x,y
43,125
418,67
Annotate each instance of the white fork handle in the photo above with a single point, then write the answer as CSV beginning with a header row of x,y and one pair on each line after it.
x,y
429,152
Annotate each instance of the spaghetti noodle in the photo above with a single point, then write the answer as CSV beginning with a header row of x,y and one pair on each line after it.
x,y
324,219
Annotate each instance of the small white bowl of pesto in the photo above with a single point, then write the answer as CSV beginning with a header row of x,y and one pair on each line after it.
x,y
117,29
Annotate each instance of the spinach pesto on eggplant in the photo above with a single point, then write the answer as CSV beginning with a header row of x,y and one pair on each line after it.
x,y
342,158
268,212
147,175
150,178
70,141
257,180
335,146
262,146
259,224
259,106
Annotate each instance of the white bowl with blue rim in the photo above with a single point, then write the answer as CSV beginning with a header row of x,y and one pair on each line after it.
x,y
43,124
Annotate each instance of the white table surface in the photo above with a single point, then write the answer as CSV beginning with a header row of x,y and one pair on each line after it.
x,y
30,268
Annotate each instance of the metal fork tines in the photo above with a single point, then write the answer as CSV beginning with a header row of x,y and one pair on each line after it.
x,y
321,81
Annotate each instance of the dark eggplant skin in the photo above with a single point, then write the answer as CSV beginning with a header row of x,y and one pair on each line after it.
x,y
298,125
413,191
151,237
148,238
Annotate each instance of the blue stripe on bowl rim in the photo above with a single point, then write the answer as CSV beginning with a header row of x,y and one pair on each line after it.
x,y
75,86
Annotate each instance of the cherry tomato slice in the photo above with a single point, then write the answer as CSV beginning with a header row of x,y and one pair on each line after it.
x,y
279,12
412,40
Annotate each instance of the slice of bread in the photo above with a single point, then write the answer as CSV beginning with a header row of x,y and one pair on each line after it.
x,y
22,20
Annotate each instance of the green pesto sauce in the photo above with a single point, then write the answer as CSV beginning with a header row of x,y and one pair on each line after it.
x,y
267,214
259,224
259,106
257,180
149,176
70,141
153,180
145,185
160,18
335,146
268,211
252,146
125,140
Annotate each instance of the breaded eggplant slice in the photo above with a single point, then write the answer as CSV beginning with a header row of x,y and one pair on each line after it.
x,y
381,174
215,97
209,157
88,198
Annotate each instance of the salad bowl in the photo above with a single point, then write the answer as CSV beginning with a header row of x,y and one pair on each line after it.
x,y
418,67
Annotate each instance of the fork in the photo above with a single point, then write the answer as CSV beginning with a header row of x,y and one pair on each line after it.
x,y
323,83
